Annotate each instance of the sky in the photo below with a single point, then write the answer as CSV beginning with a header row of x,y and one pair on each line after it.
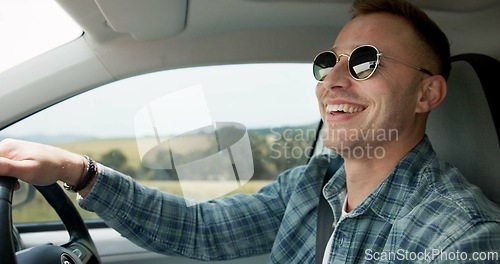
x,y
255,95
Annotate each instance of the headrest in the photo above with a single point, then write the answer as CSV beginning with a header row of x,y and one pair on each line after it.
x,y
464,128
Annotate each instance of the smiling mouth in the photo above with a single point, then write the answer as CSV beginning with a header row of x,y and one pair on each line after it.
x,y
343,108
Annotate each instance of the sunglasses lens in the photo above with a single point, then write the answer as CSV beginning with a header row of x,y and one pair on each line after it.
x,y
363,62
323,64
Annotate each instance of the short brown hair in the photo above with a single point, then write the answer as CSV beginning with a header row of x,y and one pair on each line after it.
x,y
427,30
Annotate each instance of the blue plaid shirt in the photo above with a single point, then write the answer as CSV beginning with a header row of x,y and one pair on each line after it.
x,y
424,211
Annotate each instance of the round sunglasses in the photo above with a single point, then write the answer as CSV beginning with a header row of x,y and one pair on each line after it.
x,y
362,63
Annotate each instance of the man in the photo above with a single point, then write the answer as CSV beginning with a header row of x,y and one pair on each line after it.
x,y
392,198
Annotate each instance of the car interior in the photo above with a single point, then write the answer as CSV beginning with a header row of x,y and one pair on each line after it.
x,y
124,39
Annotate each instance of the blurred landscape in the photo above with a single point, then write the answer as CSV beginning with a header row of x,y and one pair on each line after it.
x,y
273,150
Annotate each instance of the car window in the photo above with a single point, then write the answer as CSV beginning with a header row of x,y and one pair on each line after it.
x,y
238,126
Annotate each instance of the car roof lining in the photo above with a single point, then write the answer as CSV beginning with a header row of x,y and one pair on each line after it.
x,y
442,5
242,27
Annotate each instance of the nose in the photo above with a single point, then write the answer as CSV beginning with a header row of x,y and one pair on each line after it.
x,y
338,75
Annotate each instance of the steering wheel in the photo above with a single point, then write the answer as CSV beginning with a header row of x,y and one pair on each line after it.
x,y
79,249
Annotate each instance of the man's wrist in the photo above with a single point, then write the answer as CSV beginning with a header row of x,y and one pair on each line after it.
x,y
87,176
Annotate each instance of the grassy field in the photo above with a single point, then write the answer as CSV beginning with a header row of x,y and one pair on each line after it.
x,y
38,210
97,147
128,147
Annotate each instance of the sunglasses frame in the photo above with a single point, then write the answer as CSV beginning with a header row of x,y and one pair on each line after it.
x,y
378,54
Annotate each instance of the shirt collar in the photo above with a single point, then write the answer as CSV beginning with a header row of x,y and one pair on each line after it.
x,y
389,198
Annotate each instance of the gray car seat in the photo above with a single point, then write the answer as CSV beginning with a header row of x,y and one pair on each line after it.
x,y
464,129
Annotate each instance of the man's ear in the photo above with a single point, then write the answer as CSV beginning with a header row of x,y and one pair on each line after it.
x,y
433,91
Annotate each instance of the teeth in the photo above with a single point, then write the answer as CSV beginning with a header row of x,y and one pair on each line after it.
x,y
346,108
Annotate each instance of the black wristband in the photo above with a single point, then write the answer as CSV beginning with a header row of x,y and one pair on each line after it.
x,y
87,176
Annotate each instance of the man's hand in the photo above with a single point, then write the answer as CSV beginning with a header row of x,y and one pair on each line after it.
x,y
39,164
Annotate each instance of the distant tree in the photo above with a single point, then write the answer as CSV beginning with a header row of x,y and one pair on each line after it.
x,y
118,161
114,159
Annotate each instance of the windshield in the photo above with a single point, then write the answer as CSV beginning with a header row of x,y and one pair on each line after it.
x,y
29,28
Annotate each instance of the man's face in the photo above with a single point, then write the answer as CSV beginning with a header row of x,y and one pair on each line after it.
x,y
380,110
